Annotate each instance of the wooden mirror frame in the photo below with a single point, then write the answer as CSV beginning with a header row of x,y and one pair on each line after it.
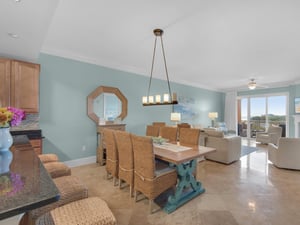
x,y
100,90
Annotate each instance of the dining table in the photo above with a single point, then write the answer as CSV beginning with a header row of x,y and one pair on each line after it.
x,y
184,159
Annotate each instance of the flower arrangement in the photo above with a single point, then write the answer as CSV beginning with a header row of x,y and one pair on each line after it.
x,y
10,116
10,184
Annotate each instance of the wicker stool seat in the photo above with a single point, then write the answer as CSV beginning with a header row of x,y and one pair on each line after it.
x,y
88,211
46,158
57,169
70,189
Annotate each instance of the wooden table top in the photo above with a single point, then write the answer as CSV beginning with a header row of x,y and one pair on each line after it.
x,y
177,157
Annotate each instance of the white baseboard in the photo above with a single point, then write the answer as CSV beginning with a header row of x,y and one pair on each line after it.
x,y
81,162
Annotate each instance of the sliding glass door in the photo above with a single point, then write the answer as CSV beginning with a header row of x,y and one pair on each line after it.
x,y
257,113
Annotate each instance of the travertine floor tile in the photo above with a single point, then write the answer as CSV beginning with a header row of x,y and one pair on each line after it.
x,y
247,192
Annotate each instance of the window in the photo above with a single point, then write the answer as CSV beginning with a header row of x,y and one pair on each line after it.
x,y
257,113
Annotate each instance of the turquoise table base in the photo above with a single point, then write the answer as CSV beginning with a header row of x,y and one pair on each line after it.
x,y
187,187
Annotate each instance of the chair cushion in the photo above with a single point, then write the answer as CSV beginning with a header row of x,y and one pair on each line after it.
x,y
46,158
88,211
57,169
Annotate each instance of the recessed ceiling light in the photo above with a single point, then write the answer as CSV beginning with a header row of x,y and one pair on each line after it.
x,y
17,0
13,35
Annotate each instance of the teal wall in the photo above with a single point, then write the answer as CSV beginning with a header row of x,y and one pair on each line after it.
x,y
292,90
65,85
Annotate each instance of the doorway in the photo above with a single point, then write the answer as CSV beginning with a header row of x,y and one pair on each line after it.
x,y
257,113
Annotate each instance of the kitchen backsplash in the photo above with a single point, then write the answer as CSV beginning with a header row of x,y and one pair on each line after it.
x,y
30,123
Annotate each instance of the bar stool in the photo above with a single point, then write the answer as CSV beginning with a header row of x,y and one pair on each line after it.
x,y
50,157
53,166
70,188
88,211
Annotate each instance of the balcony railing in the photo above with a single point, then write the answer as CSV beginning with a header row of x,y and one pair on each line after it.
x,y
258,126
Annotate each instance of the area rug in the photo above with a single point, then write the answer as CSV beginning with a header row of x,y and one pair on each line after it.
x,y
247,150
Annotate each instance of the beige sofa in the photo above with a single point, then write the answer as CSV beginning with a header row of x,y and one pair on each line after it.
x,y
286,154
228,148
271,136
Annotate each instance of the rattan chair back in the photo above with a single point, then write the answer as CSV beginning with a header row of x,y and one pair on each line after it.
x,y
189,136
149,178
112,163
125,153
144,161
159,124
152,131
169,133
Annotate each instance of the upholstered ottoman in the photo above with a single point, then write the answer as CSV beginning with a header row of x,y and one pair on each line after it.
x,y
57,169
88,211
70,188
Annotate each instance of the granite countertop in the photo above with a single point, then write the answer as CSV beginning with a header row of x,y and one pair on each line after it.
x,y
27,185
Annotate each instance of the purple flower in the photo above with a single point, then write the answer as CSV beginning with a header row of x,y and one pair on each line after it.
x,y
10,184
18,116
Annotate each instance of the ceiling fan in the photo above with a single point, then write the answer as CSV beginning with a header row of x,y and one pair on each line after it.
x,y
253,85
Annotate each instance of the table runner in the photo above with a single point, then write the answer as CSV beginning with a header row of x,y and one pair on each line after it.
x,y
173,147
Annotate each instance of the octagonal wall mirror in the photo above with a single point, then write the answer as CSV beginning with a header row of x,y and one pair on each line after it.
x,y
106,103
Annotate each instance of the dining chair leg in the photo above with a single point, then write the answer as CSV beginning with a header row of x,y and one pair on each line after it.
x,y
120,183
107,175
115,181
135,195
130,191
150,206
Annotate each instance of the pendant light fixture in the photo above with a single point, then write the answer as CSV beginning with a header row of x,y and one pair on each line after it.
x,y
167,98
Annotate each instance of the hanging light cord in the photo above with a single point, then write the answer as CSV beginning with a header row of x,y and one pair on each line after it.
x,y
165,63
163,50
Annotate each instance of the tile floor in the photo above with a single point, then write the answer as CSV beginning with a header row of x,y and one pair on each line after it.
x,y
249,191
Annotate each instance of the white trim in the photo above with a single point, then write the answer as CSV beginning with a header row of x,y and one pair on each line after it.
x,y
81,161
296,121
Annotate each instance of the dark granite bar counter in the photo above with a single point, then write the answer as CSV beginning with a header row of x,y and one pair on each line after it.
x,y
31,134
27,185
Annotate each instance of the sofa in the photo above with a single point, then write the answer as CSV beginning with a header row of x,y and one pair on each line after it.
x,y
228,147
286,154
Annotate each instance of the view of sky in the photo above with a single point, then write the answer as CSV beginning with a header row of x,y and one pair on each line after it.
x,y
258,105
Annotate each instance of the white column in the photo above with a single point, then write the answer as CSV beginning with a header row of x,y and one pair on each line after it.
x,y
296,121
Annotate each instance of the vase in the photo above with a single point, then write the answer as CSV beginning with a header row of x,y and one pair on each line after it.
x,y
5,154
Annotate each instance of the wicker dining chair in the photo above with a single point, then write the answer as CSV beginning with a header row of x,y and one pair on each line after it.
x,y
159,124
151,177
125,152
152,131
182,125
169,133
112,163
189,136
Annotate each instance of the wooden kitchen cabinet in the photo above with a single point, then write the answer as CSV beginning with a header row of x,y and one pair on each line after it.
x,y
19,86
37,145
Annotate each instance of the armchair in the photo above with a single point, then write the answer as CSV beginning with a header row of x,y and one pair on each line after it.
x,y
272,135
286,154
228,147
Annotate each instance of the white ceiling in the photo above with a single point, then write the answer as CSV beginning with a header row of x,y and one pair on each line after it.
x,y
214,44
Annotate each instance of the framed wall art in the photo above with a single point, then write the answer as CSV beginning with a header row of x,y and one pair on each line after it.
x,y
297,105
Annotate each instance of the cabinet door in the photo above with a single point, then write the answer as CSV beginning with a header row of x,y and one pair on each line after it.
x,y
4,82
25,86
37,145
